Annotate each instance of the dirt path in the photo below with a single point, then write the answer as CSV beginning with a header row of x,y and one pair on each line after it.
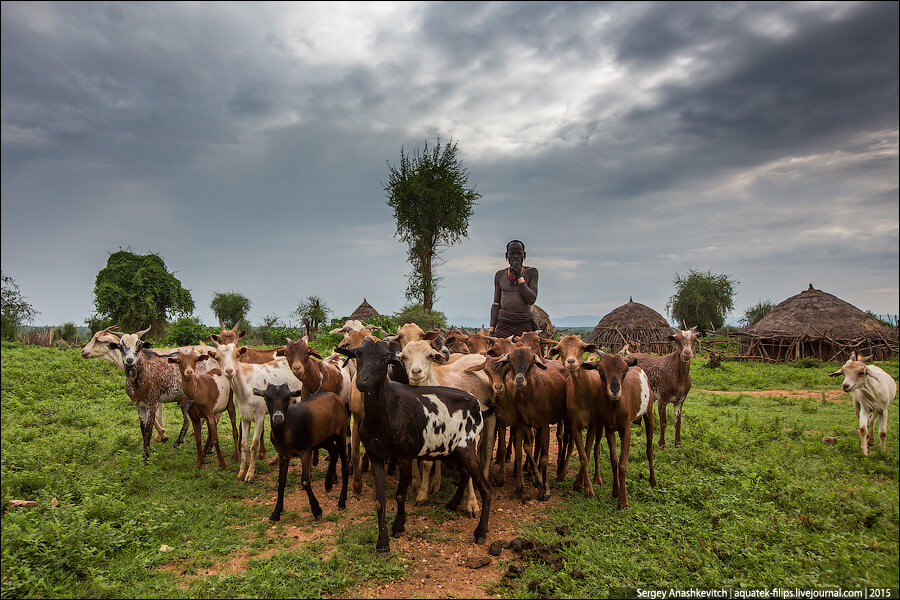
x,y
829,395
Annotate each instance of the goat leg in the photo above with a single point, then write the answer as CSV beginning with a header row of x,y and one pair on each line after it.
x,y
613,459
648,426
582,480
625,435
235,430
382,546
662,422
282,481
306,464
186,404
678,406
399,526
345,473
198,434
331,473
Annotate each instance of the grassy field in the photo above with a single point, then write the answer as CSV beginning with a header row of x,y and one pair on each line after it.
x,y
752,498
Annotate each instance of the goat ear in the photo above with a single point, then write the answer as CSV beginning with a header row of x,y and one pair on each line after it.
x,y
242,350
174,361
242,334
296,393
314,353
213,338
554,351
539,363
258,392
592,348
438,357
279,352
145,344
113,346
865,358
345,351
214,372
837,373
631,361
590,366
202,357
211,353
430,335
473,368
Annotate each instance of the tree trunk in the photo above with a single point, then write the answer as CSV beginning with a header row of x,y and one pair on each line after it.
x,y
428,288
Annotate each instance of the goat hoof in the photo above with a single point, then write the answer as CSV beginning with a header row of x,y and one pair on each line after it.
x,y
544,497
382,551
317,514
275,518
480,539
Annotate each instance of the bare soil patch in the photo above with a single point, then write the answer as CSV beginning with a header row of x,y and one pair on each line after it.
x,y
829,395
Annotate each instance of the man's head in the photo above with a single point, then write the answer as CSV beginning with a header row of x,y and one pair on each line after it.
x,y
515,253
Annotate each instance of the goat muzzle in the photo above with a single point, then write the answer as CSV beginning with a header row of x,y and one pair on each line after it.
x,y
277,418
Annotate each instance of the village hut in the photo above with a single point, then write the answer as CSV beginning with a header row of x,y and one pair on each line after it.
x,y
364,311
816,324
543,321
639,326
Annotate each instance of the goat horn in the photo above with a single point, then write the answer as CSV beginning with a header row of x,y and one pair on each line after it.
x,y
143,332
236,324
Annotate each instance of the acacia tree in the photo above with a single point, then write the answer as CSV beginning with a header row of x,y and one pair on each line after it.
x,y
136,290
702,300
312,312
432,201
230,307
14,308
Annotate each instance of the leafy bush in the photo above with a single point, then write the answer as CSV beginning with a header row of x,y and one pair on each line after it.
x,y
415,313
67,332
188,331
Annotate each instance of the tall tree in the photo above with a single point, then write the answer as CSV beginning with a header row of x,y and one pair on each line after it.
x,y
136,290
230,307
14,308
702,299
432,201
312,312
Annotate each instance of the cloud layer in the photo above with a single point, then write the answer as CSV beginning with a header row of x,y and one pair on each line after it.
x,y
624,143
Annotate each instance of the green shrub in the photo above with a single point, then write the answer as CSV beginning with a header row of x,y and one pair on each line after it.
x,y
187,331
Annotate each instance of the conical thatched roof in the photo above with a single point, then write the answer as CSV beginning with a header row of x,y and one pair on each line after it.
x,y
364,311
543,321
638,325
815,323
813,310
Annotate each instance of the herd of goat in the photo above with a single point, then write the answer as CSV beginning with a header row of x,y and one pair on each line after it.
x,y
418,399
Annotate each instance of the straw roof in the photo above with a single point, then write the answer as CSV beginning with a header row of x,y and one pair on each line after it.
x,y
815,311
543,321
819,324
364,311
638,325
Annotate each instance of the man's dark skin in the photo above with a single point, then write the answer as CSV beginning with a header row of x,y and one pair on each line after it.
x,y
515,291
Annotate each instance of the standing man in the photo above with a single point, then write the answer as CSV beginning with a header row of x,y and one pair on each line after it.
x,y
515,290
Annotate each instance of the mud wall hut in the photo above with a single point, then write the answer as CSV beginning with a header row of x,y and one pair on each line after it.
x,y
543,321
816,324
635,324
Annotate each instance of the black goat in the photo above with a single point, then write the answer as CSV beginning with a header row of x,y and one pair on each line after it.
x,y
320,421
405,422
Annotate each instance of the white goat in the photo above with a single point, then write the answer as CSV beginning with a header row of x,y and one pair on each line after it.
x,y
872,390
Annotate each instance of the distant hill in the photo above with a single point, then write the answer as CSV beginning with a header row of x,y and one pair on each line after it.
x,y
577,321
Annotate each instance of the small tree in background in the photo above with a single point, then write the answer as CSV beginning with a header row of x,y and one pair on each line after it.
x,y
187,331
67,332
230,307
702,300
756,312
415,313
134,291
14,308
432,203
312,312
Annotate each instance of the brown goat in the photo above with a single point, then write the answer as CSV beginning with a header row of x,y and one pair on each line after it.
x,y
583,390
210,393
625,398
670,377
540,400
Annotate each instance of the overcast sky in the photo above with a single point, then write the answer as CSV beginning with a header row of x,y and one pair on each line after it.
x,y
248,145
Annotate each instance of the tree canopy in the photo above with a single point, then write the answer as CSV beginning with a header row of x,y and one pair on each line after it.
x,y
230,307
312,312
14,308
702,300
432,201
136,290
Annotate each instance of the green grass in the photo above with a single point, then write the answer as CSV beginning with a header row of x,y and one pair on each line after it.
x,y
752,498
71,433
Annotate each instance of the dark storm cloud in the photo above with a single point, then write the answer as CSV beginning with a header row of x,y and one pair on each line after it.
x,y
624,141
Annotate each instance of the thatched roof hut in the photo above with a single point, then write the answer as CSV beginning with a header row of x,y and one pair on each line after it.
x,y
364,311
543,321
816,324
639,326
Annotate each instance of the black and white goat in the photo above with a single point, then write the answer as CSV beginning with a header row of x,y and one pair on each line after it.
x,y
405,422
